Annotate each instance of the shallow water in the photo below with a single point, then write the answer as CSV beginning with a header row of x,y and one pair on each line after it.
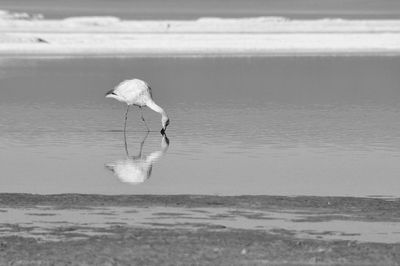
x,y
275,126
192,9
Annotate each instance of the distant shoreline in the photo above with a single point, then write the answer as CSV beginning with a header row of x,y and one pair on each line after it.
x,y
262,36
200,44
191,54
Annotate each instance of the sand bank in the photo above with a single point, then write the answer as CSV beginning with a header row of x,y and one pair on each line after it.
x,y
202,230
24,34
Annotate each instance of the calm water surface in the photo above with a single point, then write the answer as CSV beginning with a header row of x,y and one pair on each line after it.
x,y
276,126
192,9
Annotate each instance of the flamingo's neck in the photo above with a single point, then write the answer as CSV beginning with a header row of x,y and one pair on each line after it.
x,y
152,105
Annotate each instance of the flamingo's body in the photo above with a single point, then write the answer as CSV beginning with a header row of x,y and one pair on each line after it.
x,y
138,92
137,169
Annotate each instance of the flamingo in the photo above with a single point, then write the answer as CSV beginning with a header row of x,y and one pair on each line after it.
x,y
137,169
137,92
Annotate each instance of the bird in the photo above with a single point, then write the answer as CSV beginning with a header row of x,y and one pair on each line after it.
x,y
138,92
137,169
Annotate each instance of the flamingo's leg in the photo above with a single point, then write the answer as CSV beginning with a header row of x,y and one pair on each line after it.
x,y
139,155
142,117
126,118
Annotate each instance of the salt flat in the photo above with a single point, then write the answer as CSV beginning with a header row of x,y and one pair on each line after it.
x,y
21,35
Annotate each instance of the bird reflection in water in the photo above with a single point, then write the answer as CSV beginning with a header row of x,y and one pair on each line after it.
x,y
137,169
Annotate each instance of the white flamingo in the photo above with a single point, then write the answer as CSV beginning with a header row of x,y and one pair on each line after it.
x,y
138,92
137,169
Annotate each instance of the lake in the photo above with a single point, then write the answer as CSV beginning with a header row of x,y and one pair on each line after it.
x,y
324,126
193,9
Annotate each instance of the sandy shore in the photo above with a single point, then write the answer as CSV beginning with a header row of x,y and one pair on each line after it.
x,y
196,230
24,35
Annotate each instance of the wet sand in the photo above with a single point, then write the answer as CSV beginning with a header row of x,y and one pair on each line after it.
x,y
199,242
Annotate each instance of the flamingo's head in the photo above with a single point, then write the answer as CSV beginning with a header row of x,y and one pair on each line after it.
x,y
165,123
